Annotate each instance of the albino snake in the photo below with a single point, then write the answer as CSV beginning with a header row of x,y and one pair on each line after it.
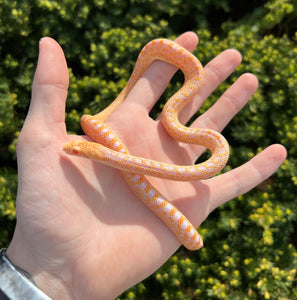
x,y
110,150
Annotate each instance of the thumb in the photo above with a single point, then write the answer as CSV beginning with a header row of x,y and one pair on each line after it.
x,y
46,116
50,85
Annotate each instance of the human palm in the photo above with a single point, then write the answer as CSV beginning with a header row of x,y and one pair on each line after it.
x,y
81,232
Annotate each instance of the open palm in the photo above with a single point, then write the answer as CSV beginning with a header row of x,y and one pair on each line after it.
x,y
81,232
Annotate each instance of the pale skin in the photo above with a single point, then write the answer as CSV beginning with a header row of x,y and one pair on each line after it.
x,y
80,231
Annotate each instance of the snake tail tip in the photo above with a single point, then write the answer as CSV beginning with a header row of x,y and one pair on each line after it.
x,y
196,246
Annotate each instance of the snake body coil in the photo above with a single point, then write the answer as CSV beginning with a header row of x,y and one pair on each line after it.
x,y
109,149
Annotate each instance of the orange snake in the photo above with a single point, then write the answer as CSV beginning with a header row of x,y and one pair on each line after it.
x,y
109,149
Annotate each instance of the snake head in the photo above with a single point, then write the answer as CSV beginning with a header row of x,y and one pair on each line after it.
x,y
85,149
73,147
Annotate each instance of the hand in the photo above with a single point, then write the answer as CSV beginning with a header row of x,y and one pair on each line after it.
x,y
80,231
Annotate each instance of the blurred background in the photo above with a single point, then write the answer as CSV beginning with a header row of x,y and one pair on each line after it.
x,y
250,243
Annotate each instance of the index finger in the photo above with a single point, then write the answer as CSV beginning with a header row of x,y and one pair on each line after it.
x,y
155,79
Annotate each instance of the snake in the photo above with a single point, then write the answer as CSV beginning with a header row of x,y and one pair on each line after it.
x,y
108,148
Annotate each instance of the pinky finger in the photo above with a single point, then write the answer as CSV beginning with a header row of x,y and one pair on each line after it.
x,y
242,179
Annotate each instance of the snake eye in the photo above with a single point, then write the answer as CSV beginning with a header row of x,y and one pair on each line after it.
x,y
76,150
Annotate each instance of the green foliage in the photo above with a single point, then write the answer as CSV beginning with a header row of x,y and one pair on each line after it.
x,y
8,183
250,243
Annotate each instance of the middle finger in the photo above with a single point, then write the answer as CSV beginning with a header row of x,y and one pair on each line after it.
x,y
215,72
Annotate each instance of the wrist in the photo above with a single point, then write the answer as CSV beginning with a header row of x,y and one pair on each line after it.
x,y
20,256
16,283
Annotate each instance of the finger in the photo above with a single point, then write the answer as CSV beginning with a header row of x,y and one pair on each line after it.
x,y
50,85
156,78
242,179
215,72
229,104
